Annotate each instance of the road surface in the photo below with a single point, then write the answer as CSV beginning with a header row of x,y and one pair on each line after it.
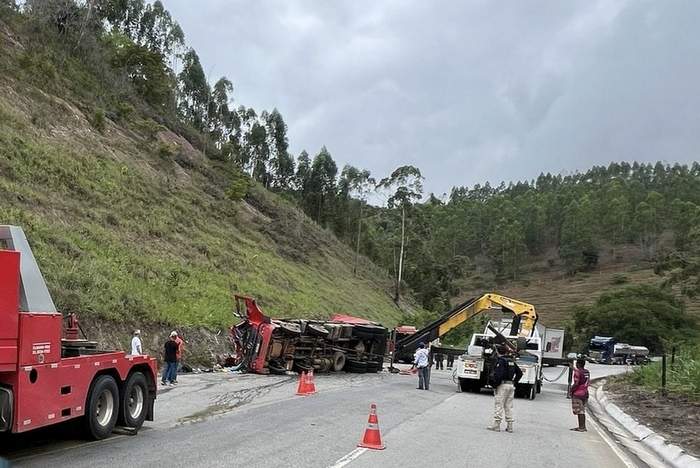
x,y
256,421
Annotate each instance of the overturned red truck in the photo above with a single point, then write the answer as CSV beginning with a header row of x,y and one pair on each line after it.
x,y
264,345
49,374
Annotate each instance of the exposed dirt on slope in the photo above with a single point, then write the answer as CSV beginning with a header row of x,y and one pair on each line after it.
x,y
675,417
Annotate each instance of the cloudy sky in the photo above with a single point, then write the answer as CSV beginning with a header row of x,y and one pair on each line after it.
x,y
468,91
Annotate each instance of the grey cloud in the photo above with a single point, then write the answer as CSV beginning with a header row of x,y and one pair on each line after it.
x,y
467,91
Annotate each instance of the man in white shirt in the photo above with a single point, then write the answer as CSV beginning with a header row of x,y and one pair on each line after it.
x,y
136,344
420,361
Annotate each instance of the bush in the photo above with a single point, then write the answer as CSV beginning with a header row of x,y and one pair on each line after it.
x,y
98,120
167,150
124,110
239,186
619,278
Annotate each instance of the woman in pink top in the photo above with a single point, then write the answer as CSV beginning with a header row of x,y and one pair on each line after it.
x,y
579,394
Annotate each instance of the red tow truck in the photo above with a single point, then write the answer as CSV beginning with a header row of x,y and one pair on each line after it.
x,y
48,374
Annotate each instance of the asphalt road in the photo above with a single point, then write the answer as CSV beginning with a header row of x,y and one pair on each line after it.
x,y
242,420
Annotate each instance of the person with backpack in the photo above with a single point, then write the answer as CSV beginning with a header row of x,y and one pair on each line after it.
x,y
506,375
579,394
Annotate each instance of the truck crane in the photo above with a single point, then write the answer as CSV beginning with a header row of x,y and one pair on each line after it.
x,y
523,323
48,374
471,373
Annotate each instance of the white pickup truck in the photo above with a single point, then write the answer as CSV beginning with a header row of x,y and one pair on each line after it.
x,y
472,369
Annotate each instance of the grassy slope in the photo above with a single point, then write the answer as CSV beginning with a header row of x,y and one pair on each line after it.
x,y
553,293
132,224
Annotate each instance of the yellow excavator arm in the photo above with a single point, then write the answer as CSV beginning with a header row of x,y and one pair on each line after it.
x,y
523,310
524,319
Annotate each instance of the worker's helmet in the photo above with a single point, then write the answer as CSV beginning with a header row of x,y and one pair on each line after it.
x,y
173,334
137,332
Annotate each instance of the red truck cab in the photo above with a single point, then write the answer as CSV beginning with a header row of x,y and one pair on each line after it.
x,y
48,375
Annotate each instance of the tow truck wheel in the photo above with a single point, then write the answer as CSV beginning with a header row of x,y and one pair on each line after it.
x,y
531,392
102,408
134,401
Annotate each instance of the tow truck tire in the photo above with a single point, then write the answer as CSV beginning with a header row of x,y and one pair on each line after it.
x,y
102,408
539,386
531,392
465,385
134,401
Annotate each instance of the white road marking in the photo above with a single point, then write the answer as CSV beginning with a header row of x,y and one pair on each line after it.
x,y
612,444
349,457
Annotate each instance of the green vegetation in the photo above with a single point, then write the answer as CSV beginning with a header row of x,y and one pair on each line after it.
x,y
682,377
638,315
149,192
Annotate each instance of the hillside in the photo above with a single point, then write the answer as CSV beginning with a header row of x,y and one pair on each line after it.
x,y
553,292
132,225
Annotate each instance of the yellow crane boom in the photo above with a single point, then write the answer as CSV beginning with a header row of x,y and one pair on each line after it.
x,y
524,319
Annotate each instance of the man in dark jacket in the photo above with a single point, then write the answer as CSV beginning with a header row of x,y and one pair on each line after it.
x,y
506,375
170,358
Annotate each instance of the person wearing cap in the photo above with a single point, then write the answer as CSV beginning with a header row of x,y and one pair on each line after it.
x,y
136,349
170,358
421,362
506,375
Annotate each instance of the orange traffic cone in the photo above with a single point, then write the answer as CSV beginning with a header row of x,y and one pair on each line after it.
x,y
310,381
372,438
306,386
301,387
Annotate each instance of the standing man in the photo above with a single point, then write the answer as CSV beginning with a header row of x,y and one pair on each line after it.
x,y
579,394
506,375
180,351
439,361
450,361
420,361
136,349
170,358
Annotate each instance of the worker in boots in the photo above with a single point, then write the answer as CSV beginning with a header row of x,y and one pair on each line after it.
x,y
579,393
506,375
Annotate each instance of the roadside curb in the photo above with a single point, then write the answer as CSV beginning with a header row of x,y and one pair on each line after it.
x,y
671,454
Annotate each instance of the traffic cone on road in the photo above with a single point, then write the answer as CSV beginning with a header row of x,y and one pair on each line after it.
x,y
310,381
372,438
306,387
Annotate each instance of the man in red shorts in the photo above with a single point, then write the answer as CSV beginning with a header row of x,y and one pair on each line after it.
x,y
579,393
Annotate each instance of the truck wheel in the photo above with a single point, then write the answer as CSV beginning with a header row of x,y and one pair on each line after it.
x,y
465,385
134,401
338,361
102,408
531,392
539,386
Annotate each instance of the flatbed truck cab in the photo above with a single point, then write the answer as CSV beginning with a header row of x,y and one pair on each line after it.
x,y
49,375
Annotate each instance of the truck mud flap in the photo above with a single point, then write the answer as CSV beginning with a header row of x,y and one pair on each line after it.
x,y
150,409
6,405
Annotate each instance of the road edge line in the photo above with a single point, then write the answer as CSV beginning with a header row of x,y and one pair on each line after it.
x,y
624,458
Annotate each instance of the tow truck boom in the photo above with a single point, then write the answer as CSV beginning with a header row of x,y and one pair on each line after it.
x,y
524,314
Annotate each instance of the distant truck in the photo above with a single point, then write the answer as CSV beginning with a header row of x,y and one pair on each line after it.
x,y
607,350
48,376
472,369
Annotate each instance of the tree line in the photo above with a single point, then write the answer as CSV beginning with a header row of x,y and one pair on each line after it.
x,y
427,243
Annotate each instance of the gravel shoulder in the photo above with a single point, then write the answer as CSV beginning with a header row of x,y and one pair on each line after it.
x,y
674,417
